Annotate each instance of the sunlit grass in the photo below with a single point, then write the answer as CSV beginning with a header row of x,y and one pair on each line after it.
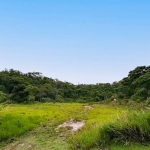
x,y
106,124
18,119
88,137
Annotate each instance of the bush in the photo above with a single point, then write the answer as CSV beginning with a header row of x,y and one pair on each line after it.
x,y
59,98
148,101
46,100
80,101
133,128
3,97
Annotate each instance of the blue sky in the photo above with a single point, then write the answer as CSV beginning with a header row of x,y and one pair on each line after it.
x,y
79,41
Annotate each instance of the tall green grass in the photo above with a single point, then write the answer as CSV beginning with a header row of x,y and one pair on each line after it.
x,y
16,120
101,114
129,127
135,127
12,126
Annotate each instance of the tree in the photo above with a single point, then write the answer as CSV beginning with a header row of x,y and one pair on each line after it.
x,y
20,94
3,97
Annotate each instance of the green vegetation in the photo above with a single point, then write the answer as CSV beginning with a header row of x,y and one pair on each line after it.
x,y
17,119
135,146
116,115
131,128
30,87
96,117
104,125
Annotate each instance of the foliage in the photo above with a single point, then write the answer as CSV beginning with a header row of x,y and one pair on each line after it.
x,y
3,97
33,86
132,127
96,117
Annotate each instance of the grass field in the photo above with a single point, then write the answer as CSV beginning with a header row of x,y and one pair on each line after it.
x,y
33,126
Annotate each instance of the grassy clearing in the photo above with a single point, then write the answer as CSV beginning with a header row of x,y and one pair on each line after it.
x,y
102,126
18,119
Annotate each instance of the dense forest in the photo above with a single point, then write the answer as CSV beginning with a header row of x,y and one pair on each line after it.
x,y
16,86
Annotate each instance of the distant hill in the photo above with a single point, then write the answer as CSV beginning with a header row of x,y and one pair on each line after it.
x,y
16,86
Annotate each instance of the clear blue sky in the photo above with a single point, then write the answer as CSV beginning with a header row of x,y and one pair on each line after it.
x,y
85,41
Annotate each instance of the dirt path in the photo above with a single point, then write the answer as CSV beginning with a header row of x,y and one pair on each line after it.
x,y
46,137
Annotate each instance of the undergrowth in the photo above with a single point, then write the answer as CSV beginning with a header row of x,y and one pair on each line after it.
x,y
129,127
135,127
88,137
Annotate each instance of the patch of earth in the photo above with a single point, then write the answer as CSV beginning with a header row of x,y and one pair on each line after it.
x,y
88,107
75,125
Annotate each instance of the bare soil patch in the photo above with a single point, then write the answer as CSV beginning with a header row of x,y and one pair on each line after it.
x,y
75,125
88,107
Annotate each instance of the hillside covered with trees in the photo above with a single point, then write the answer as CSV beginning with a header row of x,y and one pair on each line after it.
x,y
16,86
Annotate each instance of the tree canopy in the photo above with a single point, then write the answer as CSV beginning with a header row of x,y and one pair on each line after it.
x,y
33,86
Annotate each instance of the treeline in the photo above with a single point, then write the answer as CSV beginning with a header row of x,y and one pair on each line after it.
x,y
16,86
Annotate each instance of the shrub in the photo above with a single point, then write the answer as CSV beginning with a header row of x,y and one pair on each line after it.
x,y
135,127
46,100
80,101
3,97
